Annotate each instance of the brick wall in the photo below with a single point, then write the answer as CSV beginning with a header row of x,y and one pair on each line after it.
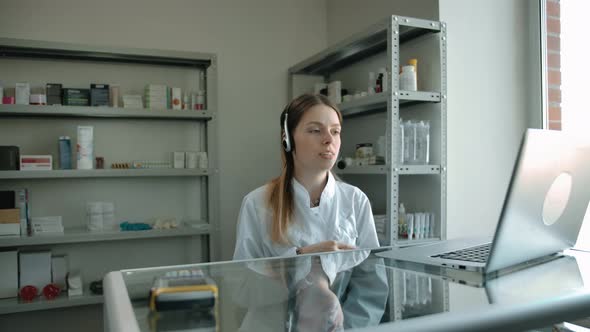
x,y
553,64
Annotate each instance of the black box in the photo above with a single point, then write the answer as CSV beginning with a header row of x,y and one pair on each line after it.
x,y
53,91
99,95
75,97
9,158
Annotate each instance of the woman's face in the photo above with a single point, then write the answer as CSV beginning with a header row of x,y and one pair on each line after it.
x,y
317,139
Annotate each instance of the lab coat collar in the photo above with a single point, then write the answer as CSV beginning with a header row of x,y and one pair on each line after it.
x,y
300,193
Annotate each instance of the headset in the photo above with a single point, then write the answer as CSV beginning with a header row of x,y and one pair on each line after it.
x,y
286,139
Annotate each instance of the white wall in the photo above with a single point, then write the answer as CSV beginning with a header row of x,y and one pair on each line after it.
x,y
487,106
255,40
346,17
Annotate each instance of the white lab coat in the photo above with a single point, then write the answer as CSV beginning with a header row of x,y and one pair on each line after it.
x,y
344,215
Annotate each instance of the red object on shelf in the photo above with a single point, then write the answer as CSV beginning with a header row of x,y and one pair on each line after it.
x,y
28,293
51,291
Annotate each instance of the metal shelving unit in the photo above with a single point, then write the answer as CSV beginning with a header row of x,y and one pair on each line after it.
x,y
389,37
387,44
199,239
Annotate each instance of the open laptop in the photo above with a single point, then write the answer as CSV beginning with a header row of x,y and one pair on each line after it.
x,y
542,213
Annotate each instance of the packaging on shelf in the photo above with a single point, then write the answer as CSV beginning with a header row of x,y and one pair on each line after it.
x,y
22,93
132,101
59,270
36,162
75,97
8,274
156,96
85,147
178,159
176,99
415,142
35,269
99,95
9,221
53,91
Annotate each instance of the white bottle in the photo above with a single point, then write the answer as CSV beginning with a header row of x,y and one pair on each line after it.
x,y
408,80
371,84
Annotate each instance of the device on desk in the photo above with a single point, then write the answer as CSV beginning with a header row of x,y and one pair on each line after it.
x,y
183,290
183,299
542,213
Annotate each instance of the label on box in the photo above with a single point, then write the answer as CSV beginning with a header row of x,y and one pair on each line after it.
x,y
36,162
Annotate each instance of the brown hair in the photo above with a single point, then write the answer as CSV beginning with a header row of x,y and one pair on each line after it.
x,y
280,190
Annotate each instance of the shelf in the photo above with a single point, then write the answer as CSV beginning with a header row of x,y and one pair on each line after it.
x,y
371,169
362,45
378,102
382,169
78,235
103,173
417,169
58,111
15,305
408,243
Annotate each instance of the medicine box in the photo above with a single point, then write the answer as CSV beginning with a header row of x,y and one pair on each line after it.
x,y
99,95
53,91
76,97
36,162
8,274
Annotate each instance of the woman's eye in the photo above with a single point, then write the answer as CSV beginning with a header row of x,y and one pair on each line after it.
x,y
315,131
336,132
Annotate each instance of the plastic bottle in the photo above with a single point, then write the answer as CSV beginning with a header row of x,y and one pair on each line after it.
x,y
371,85
408,79
403,227
383,73
414,63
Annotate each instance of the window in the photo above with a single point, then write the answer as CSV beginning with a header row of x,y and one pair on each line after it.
x,y
565,76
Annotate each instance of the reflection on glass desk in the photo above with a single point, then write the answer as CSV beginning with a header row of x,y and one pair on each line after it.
x,y
356,290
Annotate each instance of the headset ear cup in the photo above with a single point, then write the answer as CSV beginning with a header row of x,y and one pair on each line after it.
x,y
287,144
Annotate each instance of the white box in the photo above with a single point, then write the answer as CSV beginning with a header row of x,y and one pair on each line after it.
x,y
190,159
9,229
36,162
59,271
8,274
23,93
178,159
35,269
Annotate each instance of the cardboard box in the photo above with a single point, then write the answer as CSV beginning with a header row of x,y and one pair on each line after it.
x,y
10,216
8,274
35,269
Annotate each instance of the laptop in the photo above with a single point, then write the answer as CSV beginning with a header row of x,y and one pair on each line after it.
x,y
543,211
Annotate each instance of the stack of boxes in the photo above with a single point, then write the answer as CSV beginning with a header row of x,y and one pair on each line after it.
x,y
156,96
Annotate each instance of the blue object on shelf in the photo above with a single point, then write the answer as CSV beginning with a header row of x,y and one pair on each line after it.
x,y
136,226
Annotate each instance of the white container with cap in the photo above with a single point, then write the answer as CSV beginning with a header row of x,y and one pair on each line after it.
x,y
85,147
408,81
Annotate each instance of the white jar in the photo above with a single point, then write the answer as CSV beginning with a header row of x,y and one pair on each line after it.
x,y
408,81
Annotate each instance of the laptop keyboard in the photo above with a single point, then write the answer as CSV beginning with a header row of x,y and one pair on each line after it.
x,y
478,254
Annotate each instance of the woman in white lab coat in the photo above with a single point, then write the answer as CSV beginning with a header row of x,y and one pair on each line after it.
x,y
306,209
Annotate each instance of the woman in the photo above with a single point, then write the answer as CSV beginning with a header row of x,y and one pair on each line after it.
x,y
305,209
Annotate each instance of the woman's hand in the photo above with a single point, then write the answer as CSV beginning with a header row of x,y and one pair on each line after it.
x,y
325,246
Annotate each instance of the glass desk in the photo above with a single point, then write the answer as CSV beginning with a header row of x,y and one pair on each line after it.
x,y
357,290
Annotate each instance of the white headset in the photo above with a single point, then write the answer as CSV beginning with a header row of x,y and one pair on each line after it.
x,y
286,139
